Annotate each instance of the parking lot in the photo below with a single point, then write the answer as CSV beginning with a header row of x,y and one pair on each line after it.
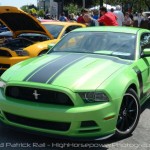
x,y
140,140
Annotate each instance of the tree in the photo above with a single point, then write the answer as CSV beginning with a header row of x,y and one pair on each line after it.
x,y
147,3
134,5
88,3
29,8
41,13
72,8
25,8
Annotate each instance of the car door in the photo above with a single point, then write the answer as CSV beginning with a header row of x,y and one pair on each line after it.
x,y
143,65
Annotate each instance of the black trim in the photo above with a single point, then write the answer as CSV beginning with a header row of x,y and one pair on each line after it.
x,y
48,72
37,123
52,135
32,73
64,68
53,69
139,76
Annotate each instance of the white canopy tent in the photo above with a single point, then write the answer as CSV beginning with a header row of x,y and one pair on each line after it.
x,y
105,5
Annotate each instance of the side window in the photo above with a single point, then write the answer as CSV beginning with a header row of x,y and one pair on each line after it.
x,y
145,41
70,28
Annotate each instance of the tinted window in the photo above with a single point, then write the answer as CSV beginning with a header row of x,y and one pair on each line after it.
x,y
70,28
145,40
105,43
54,29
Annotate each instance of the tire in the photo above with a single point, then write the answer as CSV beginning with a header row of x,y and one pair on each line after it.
x,y
129,115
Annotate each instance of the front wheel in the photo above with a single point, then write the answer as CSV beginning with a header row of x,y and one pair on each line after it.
x,y
128,115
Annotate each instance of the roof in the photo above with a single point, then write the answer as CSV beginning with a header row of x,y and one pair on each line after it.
x,y
111,29
61,23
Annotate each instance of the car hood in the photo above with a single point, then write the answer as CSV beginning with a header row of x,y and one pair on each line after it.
x,y
19,21
72,70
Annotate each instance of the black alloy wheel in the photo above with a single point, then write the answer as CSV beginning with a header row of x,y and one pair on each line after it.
x,y
129,114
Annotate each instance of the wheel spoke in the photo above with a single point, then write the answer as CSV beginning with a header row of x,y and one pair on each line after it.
x,y
127,123
122,124
126,101
131,110
119,120
130,104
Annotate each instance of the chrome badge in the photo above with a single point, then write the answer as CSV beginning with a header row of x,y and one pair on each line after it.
x,y
36,95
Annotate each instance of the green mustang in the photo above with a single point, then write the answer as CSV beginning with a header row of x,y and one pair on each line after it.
x,y
91,84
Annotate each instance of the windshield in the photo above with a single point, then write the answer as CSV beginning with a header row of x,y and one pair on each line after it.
x,y
54,29
121,45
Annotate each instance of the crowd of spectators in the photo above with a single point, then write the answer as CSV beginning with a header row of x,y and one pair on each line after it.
x,y
112,17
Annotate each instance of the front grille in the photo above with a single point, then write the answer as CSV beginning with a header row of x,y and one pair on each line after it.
x,y
51,125
38,95
4,65
5,53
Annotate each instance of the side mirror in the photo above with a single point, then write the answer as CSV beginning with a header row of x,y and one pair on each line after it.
x,y
50,46
146,52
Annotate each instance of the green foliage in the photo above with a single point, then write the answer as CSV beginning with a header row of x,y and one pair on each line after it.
x,y
147,3
40,13
72,8
33,10
135,4
25,8
29,9
88,3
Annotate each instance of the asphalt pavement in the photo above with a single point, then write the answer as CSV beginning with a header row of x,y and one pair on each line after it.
x,y
140,139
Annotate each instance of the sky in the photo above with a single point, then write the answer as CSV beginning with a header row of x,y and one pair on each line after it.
x,y
17,3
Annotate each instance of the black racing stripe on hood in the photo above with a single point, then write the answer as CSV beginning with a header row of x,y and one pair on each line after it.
x,y
87,55
32,73
64,68
56,67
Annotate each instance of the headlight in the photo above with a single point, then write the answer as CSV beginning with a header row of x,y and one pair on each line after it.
x,y
89,97
21,52
2,84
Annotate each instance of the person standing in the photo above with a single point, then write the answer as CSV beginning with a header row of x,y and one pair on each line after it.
x,y
95,14
107,18
112,10
80,18
89,21
120,15
127,20
63,17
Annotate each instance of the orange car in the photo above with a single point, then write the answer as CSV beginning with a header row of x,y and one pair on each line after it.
x,y
58,30
25,29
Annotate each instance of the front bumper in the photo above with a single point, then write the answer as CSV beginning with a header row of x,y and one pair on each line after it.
x,y
7,62
76,122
